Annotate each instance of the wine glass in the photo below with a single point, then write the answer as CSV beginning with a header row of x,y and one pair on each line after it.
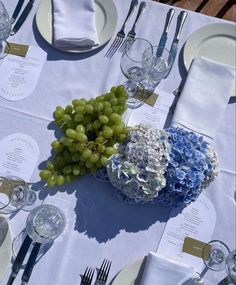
x,y
160,68
14,193
5,30
230,266
135,65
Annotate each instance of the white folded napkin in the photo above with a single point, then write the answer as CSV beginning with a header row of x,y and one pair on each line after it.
x,y
205,96
74,23
161,271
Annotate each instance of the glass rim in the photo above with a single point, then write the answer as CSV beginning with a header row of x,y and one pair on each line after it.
x,y
165,49
126,50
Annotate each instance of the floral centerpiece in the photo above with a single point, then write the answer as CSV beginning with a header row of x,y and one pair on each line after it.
x,y
169,167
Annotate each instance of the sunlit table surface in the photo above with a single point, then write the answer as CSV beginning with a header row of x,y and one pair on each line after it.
x,y
98,225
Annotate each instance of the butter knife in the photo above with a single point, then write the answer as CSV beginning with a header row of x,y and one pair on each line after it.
x,y
19,259
180,23
30,264
17,11
162,42
22,17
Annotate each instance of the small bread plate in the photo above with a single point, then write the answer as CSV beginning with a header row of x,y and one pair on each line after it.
x,y
132,274
5,246
106,20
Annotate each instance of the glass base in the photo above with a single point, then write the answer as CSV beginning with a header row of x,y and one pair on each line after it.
x,y
133,90
4,49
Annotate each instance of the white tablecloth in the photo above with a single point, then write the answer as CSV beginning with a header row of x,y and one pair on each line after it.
x,y
99,226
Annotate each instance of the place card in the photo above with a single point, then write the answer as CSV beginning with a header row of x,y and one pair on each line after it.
x,y
19,156
147,97
19,75
195,247
155,115
197,221
17,49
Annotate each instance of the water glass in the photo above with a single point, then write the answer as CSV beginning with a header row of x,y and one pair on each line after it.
x,y
14,193
45,223
231,266
5,30
135,65
160,68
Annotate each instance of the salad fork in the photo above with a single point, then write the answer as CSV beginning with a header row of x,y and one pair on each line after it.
x,y
87,277
121,34
131,34
103,272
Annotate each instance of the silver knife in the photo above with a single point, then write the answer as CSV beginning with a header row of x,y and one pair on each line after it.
x,y
162,42
180,22
19,259
17,11
22,17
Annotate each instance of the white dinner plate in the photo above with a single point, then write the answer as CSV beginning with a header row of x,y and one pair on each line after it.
x,y
214,41
5,246
106,20
132,274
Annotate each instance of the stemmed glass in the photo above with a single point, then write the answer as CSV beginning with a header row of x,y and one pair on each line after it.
x,y
160,68
135,65
5,30
217,256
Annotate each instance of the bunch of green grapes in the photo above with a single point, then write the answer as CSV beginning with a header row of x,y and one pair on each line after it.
x,y
90,130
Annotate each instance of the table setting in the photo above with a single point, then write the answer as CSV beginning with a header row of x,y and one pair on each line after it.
x,y
117,145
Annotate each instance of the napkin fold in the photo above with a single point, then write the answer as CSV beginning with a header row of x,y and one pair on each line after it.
x,y
74,23
161,271
205,96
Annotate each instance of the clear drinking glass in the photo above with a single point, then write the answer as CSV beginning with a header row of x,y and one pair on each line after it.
x,y
45,223
231,266
14,193
215,256
5,30
160,68
135,65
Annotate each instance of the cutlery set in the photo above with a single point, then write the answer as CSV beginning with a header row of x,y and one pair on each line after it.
x,y
102,274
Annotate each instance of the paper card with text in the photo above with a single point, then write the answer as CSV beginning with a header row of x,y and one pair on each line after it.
x,y
196,221
196,248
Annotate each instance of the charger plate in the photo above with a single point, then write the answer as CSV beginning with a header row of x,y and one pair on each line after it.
x,y
5,246
132,274
106,20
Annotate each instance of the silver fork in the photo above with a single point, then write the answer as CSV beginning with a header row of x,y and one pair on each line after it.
x,y
103,272
131,34
87,277
121,34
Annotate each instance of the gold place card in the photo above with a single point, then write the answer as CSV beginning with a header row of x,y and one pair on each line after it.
x,y
17,49
195,248
147,97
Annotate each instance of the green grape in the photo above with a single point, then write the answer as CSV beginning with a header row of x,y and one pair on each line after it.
x,y
51,181
81,147
100,98
98,107
45,174
61,162
60,180
120,90
57,146
75,156
68,109
115,117
80,109
118,129
66,141
72,134
94,169
89,164
75,102
103,119
67,156
108,133
86,153
106,104
94,157
87,119
67,118
107,110
81,137
103,160
58,114
121,100
99,140
110,151
73,148
122,137
80,129
97,124
99,164
89,127
101,148
67,169
78,117
76,170
50,165
113,89
89,108
115,109
71,124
